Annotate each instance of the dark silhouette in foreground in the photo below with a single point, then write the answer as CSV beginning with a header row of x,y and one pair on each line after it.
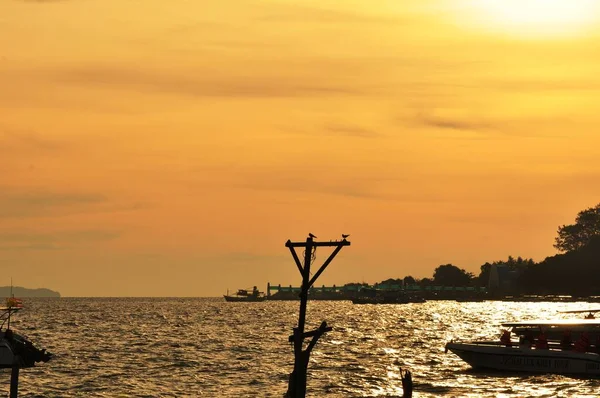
x,y
297,380
407,384
16,351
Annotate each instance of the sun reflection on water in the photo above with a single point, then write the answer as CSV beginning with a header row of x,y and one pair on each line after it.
x,y
195,347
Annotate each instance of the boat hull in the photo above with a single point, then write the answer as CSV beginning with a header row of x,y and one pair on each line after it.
x,y
7,358
523,359
15,350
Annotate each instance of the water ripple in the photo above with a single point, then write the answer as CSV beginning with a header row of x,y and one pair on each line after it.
x,y
147,347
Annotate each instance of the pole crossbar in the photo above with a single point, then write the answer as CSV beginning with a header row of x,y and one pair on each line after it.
x,y
342,242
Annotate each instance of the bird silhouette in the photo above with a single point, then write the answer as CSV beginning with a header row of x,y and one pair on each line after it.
x,y
311,235
345,235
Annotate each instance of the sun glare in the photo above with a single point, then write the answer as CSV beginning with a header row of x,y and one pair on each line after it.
x,y
540,18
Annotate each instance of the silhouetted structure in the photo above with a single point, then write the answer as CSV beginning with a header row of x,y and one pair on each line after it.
x,y
245,295
297,381
16,351
407,384
342,292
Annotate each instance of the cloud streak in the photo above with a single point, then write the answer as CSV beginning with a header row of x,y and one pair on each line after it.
x,y
344,186
335,130
55,240
295,13
257,86
547,85
452,124
482,127
35,204
11,139
351,131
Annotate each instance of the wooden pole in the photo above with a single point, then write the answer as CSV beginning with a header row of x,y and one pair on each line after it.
x,y
14,381
297,381
300,358
407,383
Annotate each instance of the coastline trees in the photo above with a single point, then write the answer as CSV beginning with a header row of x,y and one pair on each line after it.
x,y
574,271
451,275
575,236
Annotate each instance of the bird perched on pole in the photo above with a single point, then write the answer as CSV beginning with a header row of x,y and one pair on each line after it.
x,y
311,235
345,235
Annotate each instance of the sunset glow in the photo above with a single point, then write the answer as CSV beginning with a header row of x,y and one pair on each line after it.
x,y
537,18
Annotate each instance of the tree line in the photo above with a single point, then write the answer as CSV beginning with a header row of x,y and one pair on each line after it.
x,y
574,271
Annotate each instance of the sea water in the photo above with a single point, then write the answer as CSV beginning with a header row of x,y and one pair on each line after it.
x,y
206,347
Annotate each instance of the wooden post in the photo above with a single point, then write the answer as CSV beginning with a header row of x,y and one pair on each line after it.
x,y
297,381
14,381
407,383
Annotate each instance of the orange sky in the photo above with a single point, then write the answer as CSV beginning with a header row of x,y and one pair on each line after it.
x,y
170,148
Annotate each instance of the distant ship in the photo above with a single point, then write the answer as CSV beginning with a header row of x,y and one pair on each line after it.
x,y
244,295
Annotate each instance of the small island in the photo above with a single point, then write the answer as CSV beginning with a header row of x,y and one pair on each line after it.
x,y
18,291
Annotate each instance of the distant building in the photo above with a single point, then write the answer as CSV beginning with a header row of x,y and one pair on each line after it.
x,y
503,279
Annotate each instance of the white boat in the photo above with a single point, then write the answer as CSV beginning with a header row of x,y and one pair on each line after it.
x,y
532,355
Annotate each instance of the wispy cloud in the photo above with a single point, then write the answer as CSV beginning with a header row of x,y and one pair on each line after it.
x,y
259,85
72,236
546,85
15,139
452,123
245,257
57,199
333,183
53,240
28,247
294,13
296,184
351,131
486,127
33,204
339,130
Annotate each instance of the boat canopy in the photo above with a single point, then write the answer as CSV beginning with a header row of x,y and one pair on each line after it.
x,y
557,322
580,311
